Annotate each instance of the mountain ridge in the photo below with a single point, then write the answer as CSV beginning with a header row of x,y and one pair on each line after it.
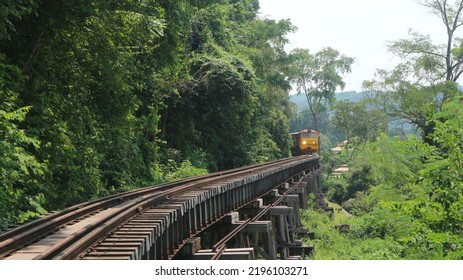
x,y
301,101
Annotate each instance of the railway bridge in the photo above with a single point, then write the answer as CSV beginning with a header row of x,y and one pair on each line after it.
x,y
245,213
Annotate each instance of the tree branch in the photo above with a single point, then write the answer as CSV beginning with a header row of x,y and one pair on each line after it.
x,y
457,75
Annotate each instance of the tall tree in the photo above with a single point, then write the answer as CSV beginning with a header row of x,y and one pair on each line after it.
x,y
428,73
232,105
319,75
434,63
21,194
265,41
79,67
358,124
83,83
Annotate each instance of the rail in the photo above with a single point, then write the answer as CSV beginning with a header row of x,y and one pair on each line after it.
x,y
74,232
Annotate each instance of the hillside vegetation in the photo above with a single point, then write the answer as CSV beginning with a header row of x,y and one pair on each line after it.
x,y
404,195
102,96
404,191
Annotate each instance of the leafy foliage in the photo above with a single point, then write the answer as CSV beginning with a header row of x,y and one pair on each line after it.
x,y
21,194
413,198
357,124
432,63
319,75
102,96
330,244
229,105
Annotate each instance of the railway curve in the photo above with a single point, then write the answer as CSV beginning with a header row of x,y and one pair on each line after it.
x,y
175,220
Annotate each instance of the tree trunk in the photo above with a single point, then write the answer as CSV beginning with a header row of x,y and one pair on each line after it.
x,y
315,120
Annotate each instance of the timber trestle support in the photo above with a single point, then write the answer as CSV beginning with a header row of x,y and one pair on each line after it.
x,y
188,226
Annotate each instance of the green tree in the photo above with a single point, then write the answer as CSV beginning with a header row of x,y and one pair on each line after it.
x,y
265,43
13,10
319,75
358,124
105,94
430,62
359,181
21,194
337,190
444,167
78,69
232,104
428,73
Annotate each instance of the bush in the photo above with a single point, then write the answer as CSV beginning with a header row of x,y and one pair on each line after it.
x,y
359,181
337,190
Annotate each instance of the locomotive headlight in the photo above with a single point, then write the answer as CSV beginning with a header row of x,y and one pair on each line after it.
x,y
304,142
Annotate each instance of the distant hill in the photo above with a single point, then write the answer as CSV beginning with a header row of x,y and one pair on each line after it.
x,y
353,96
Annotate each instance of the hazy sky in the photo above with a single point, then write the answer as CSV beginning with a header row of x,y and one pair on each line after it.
x,y
357,28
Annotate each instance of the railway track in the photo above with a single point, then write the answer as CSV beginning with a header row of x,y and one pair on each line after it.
x,y
169,212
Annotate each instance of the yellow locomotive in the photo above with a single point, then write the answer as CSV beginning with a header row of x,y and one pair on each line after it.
x,y
305,142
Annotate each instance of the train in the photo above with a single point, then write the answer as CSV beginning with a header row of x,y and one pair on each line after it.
x,y
305,142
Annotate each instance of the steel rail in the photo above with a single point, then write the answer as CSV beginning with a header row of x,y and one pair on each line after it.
x,y
74,244
117,198
29,232
22,236
91,237
220,245
79,242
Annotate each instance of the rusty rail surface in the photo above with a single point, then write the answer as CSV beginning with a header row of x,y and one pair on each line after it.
x,y
70,233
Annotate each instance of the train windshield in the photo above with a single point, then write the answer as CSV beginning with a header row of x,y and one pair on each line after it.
x,y
309,135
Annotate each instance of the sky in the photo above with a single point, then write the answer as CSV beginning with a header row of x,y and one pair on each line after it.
x,y
357,28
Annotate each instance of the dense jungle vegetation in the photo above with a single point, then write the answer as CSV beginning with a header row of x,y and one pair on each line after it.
x,y
403,192
103,96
